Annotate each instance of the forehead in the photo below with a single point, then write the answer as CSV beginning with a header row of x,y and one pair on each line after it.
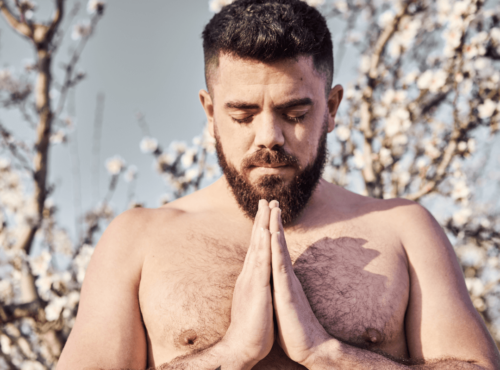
x,y
251,79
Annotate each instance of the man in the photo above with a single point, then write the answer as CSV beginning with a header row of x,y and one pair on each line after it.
x,y
272,267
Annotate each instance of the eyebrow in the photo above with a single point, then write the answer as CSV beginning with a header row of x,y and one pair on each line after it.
x,y
237,104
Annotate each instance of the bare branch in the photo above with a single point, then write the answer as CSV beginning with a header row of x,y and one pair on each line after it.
x,y
17,25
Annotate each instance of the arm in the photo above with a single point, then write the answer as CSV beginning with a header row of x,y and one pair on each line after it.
x,y
443,329
108,331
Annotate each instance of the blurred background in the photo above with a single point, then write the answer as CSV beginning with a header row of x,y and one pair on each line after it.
x,y
125,129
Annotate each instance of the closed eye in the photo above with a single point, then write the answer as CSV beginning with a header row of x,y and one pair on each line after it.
x,y
295,119
243,120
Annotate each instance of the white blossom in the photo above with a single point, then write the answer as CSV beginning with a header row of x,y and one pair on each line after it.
x,y
32,365
208,142
54,308
404,178
452,37
424,81
188,157
431,150
343,133
40,264
178,146
192,174
314,3
462,146
43,284
460,190
163,160
471,145
115,165
461,217
410,77
486,109
5,344
385,157
386,18
365,64
197,141
216,5
341,6
58,137
4,164
400,139
438,80
474,285
62,242
6,290
148,145
495,35
359,160
82,260
95,6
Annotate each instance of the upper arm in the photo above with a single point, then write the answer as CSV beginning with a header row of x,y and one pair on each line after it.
x,y
108,332
441,321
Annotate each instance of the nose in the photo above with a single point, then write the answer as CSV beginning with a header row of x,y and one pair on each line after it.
x,y
269,133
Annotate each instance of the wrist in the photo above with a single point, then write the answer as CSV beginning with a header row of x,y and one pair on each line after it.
x,y
324,355
234,359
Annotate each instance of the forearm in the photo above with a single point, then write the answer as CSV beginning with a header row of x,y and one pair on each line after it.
x,y
217,357
335,355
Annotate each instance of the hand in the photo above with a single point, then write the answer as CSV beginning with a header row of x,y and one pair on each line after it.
x,y
250,335
299,331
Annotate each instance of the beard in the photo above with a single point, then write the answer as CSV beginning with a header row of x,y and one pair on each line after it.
x,y
292,197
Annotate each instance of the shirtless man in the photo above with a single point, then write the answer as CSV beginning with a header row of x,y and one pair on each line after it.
x,y
324,279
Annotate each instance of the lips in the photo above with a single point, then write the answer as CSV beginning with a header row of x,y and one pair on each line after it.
x,y
266,165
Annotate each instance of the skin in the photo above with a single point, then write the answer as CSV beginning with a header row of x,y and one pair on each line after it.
x,y
197,285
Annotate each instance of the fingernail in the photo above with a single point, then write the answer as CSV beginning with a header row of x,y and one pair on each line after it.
x,y
278,233
278,204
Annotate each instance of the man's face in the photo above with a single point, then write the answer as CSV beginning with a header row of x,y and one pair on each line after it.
x,y
270,122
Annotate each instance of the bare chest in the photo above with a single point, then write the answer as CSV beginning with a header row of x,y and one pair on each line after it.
x,y
357,288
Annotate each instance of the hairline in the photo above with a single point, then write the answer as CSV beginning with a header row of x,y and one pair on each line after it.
x,y
212,64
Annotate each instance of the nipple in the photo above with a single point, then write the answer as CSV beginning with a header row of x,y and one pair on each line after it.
x,y
188,337
372,336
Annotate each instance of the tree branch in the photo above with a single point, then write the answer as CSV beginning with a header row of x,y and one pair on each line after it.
x,y
17,25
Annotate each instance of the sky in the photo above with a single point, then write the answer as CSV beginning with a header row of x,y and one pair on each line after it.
x,y
145,56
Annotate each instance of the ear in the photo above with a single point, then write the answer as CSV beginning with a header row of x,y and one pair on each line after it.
x,y
334,99
208,106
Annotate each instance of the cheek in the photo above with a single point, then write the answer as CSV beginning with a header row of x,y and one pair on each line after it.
x,y
304,144
236,141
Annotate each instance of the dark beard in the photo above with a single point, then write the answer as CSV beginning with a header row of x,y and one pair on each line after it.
x,y
292,198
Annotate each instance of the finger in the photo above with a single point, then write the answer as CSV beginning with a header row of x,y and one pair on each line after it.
x,y
263,221
259,233
261,206
282,267
254,237
263,258
274,204
274,220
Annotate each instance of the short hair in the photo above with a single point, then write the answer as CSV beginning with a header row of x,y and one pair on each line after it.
x,y
268,31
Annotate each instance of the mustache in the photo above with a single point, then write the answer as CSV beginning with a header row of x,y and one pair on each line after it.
x,y
271,157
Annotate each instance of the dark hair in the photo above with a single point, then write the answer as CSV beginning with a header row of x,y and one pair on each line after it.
x,y
269,31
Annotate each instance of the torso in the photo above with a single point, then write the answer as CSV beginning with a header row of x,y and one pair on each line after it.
x,y
353,270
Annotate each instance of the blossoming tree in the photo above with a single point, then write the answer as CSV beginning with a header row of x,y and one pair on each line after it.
x,y
420,121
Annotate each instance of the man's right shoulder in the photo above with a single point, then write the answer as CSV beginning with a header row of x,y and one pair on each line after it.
x,y
136,227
